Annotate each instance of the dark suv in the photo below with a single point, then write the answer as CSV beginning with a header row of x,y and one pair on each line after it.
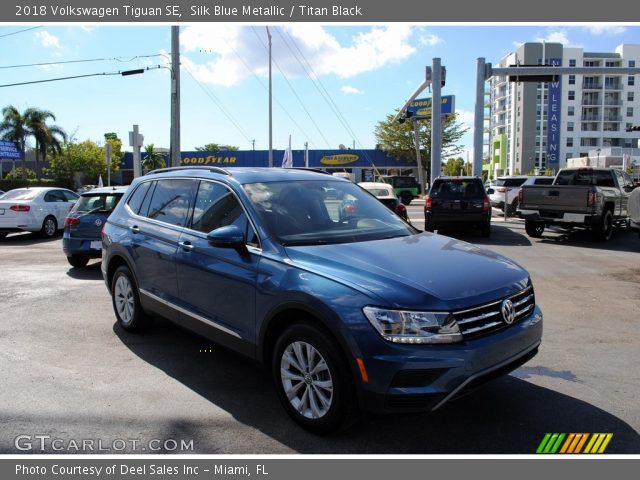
x,y
348,305
455,202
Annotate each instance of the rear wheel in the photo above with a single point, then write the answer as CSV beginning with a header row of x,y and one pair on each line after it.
x,y
311,379
603,230
78,261
513,208
486,230
126,301
49,227
534,229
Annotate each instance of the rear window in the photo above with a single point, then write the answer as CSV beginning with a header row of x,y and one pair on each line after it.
x,y
510,182
451,189
543,181
20,194
585,177
98,203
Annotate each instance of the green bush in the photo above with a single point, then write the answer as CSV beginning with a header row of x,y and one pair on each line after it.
x,y
7,185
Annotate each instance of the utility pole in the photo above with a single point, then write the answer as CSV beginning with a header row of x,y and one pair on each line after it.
x,y
436,121
136,140
175,159
107,153
270,106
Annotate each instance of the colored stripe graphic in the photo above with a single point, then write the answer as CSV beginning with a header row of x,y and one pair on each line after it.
x,y
575,443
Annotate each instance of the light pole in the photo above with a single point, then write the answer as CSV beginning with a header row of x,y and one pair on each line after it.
x,y
270,106
174,147
598,160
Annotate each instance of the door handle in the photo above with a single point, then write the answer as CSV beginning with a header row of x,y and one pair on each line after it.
x,y
187,246
135,229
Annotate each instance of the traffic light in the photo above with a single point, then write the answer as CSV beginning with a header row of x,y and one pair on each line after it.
x,y
632,129
406,115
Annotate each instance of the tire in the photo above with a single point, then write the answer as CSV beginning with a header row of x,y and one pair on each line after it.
x,y
603,230
49,227
78,261
534,229
406,198
486,230
126,301
3,235
320,402
513,208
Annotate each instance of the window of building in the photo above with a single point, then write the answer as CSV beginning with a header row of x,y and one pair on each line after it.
x,y
631,80
569,141
572,62
568,156
629,111
628,126
632,63
611,64
570,111
572,79
569,126
572,95
630,96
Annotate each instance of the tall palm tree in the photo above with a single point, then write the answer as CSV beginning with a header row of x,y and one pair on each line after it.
x,y
47,137
15,127
154,159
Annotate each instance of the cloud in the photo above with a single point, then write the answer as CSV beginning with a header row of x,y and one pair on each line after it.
x,y
466,118
47,40
609,30
429,40
227,54
348,89
558,36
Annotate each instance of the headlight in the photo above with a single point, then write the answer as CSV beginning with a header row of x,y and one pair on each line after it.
x,y
400,326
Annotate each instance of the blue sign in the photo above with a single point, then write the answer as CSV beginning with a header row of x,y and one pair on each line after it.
x,y
421,107
553,119
9,149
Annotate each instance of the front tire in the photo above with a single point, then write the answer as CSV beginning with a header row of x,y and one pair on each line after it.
x,y
78,261
534,229
49,227
126,301
312,379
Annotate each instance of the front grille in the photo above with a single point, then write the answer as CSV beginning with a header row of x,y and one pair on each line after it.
x,y
487,318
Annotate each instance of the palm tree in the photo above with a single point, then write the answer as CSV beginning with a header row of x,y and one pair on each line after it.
x,y
154,159
47,137
15,127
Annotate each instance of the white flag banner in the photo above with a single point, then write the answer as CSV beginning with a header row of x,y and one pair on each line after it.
x,y
287,159
100,185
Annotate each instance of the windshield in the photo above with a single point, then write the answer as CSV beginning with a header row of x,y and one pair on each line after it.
x,y
319,212
103,203
21,194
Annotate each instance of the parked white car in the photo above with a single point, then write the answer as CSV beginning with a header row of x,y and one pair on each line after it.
x,y
37,209
506,189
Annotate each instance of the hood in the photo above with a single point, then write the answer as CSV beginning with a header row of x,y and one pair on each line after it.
x,y
424,271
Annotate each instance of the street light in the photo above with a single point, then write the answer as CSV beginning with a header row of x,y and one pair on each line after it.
x,y
598,160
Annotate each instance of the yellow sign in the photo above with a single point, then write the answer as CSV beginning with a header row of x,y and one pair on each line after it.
x,y
339,159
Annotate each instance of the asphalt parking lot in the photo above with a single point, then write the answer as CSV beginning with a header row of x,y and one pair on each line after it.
x,y
70,373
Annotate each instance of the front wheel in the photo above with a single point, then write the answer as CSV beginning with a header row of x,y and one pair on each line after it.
x,y
49,227
311,379
534,229
126,301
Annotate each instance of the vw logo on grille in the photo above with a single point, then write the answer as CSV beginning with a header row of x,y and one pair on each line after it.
x,y
98,222
508,312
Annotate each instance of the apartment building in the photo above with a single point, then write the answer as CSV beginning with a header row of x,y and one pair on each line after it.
x,y
538,126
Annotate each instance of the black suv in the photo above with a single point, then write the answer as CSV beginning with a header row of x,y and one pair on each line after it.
x,y
457,202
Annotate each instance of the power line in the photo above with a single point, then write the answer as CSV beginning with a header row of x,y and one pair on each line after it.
x,y
295,93
119,72
326,95
218,103
267,89
20,31
119,59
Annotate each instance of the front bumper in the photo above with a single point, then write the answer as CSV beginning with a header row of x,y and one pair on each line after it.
x,y
422,378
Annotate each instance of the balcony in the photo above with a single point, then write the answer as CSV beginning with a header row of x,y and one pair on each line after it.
x,y
590,118
612,118
591,86
612,103
614,86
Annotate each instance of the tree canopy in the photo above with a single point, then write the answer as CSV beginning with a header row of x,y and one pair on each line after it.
x,y
215,147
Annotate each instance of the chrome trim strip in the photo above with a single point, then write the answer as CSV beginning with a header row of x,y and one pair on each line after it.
x,y
478,317
486,305
524,310
481,328
190,314
484,372
524,300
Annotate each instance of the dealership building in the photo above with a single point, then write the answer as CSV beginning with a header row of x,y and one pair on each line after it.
x,y
539,126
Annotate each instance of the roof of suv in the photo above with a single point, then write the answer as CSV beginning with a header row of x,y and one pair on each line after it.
x,y
247,174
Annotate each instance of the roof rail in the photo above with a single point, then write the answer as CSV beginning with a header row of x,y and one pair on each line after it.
x,y
308,169
200,167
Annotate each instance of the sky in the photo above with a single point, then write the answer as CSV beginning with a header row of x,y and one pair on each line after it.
x,y
331,84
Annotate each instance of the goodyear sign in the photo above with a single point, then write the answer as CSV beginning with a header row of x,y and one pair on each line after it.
x,y
421,107
339,159
210,160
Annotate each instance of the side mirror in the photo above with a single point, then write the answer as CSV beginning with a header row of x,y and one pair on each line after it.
x,y
490,191
628,188
229,236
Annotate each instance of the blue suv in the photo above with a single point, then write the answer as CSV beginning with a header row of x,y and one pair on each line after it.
x,y
349,306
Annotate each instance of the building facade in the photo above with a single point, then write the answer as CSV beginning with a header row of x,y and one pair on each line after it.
x,y
544,124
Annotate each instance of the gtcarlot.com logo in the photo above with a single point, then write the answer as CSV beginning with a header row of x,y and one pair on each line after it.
x,y
46,443
572,443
